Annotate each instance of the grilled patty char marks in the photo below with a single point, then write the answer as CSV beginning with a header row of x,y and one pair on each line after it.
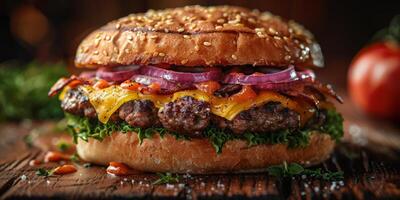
x,y
267,118
139,113
77,103
186,115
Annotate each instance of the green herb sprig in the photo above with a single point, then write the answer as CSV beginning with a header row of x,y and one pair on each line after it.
x,y
44,172
293,169
166,178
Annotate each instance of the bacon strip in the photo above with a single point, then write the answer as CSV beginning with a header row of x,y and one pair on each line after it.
x,y
60,84
313,92
326,89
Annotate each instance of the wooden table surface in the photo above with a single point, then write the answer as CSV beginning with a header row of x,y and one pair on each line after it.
x,y
369,157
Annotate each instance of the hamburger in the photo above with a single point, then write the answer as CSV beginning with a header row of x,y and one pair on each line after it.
x,y
200,90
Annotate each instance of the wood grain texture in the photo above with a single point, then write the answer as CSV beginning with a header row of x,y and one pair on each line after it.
x,y
368,174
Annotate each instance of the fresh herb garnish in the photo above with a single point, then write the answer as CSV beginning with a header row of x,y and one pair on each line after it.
x,y
293,169
324,175
85,128
74,158
166,178
63,146
285,170
44,172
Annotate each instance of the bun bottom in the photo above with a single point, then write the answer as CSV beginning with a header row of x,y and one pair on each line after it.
x,y
198,156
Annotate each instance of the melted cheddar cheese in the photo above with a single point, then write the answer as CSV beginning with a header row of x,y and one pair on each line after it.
x,y
106,101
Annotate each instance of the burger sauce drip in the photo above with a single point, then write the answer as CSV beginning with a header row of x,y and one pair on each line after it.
x,y
53,156
117,169
208,87
64,169
245,94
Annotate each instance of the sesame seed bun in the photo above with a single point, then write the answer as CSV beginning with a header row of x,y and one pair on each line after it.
x,y
200,36
198,155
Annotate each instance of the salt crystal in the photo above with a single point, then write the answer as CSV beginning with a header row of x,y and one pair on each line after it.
x,y
23,177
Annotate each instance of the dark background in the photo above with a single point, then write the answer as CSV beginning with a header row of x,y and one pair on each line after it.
x,y
50,30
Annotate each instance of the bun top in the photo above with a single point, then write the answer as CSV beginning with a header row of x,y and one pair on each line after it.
x,y
200,36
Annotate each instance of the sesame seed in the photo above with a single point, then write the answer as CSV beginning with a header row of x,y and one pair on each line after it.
x,y
117,26
259,29
221,21
184,61
234,57
287,57
196,48
108,37
97,42
192,26
105,53
166,30
161,54
218,27
272,30
181,30
207,44
96,52
261,35
130,38
153,37
277,38
126,50
252,20
186,36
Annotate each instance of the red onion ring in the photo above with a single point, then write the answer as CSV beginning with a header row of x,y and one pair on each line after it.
x,y
117,74
288,74
279,86
165,85
87,74
181,77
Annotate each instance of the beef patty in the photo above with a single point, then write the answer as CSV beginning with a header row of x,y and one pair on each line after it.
x,y
265,118
186,115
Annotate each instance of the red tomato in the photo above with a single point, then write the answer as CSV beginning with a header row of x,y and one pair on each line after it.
x,y
374,80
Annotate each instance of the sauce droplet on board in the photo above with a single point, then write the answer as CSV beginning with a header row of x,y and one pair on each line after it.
x,y
117,168
53,156
64,169
34,162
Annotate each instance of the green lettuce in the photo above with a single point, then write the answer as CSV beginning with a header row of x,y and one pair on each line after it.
x,y
85,128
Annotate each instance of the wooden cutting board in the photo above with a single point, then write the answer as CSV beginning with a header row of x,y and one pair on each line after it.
x,y
368,174
369,157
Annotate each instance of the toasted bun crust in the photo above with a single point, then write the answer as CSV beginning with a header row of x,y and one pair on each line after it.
x,y
200,36
198,155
